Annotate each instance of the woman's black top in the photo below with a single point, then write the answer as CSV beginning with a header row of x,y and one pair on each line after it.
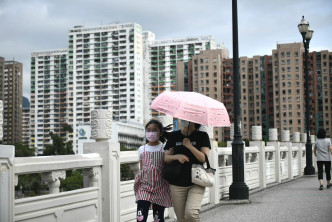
x,y
198,139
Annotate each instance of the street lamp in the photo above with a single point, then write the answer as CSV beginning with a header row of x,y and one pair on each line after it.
x,y
306,33
238,189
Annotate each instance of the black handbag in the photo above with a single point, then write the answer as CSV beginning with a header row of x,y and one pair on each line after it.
x,y
172,171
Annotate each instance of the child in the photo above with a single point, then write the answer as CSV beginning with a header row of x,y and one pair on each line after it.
x,y
150,187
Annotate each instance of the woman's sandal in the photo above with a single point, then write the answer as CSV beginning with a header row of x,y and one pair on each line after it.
x,y
321,187
329,185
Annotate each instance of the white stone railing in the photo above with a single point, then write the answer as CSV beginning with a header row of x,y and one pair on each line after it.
x,y
106,198
82,204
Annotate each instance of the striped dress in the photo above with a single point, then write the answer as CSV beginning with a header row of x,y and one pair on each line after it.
x,y
149,184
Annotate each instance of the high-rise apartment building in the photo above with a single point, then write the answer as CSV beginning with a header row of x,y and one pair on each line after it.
x,y
320,91
148,37
288,85
255,74
105,72
207,77
164,57
11,75
25,121
49,96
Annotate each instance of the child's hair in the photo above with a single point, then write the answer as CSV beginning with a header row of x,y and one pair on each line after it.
x,y
163,130
321,134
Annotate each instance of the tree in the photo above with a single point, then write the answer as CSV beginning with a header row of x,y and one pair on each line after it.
x,y
58,146
23,150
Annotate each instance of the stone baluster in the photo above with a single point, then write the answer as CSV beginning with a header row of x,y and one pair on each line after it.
x,y
101,124
93,175
257,142
53,180
273,136
285,141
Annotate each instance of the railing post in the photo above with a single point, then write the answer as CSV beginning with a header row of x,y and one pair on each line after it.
x,y
257,141
273,136
53,180
7,195
296,143
101,130
231,135
213,157
285,141
303,142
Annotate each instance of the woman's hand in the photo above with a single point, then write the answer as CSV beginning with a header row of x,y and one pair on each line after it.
x,y
186,143
182,158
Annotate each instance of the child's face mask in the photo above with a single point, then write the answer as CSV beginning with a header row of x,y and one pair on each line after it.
x,y
152,136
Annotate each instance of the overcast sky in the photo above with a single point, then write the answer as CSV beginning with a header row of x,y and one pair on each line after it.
x,y
36,25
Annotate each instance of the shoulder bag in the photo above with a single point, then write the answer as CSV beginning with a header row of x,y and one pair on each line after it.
x,y
203,176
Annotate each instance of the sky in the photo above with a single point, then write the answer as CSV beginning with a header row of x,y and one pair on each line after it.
x,y
35,25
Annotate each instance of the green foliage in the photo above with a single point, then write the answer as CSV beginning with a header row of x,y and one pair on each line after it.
x,y
222,144
246,141
59,147
73,181
30,184
23,150
126,172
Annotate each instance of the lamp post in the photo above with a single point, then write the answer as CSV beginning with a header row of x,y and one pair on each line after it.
x,y
238,189
306,33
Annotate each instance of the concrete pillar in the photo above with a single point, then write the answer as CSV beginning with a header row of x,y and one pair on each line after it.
x,y
296,137
7,195
273,134
303,137
101,125
110,170
276,146
231,135
262,162
256,133
257,141
298,145
285,141
213,158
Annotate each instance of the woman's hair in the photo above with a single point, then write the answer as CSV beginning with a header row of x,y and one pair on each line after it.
x,y
321,134
163,130
197,126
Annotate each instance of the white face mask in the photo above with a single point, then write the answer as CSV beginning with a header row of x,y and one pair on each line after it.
x,y
184,123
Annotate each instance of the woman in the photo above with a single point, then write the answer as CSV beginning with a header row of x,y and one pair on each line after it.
x,y
188,146
322,151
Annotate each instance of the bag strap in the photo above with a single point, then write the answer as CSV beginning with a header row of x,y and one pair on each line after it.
x,y
207,161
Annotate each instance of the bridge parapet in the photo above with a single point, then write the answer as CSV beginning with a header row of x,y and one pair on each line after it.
x,y
106,198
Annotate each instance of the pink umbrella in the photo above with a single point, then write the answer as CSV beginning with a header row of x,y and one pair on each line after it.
x,y
193,107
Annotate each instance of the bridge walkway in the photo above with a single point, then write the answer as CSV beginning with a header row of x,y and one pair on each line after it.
x,y
296,200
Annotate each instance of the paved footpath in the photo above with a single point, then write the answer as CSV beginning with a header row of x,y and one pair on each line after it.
x,y
297,200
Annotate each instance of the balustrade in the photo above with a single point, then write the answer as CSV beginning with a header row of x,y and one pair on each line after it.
x,y
105,198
